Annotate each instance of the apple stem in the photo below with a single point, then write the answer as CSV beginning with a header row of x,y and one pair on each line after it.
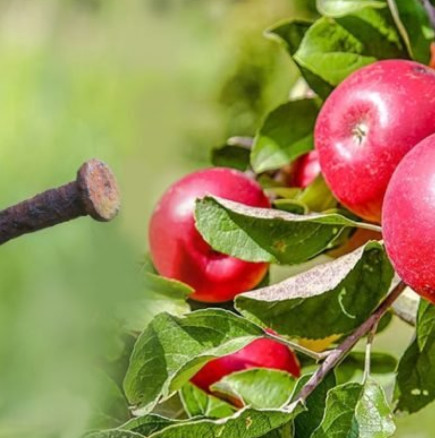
x,y
368,354
297,347
359,131
370,227
338,354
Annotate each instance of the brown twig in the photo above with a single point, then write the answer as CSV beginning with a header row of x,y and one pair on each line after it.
x,y
94,193
338,354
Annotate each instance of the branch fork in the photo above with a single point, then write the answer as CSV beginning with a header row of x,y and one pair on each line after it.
x,y
334,357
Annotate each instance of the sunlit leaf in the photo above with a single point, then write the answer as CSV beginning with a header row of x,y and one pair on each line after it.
x,y
332,298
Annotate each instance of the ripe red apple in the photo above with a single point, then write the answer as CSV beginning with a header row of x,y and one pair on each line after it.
x,y
305,170
408,219
178,250
368,124
262,353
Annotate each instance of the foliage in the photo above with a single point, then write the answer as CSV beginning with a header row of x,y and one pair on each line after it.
x,y
330,298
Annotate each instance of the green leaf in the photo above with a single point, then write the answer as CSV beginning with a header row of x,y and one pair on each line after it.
x,y
331,49
289,203
380,363
356,411
111,408
198,403
291,206
425,324
291,33
266,235
306,422
247,423
171,350
332,298
167,287
283,432
373,413
235,157
377,31
161,294
339,8
318,196
259,388
339,417
171,407
415,385
414,26
286,134
385,322
114,433
330,52
283,192
148,265
149,424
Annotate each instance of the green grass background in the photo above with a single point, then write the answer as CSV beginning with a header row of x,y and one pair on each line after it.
x,y
150,86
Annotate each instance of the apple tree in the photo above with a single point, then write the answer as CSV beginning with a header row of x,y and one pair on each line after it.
x,y
231,353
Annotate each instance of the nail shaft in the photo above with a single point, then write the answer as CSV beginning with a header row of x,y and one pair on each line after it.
x,y
94,193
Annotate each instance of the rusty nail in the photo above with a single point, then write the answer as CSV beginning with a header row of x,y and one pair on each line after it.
x,y
94,193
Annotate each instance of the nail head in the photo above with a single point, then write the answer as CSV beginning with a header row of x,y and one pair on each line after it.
x,y
99,190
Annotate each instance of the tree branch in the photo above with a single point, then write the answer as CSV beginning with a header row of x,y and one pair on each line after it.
x,y
338,354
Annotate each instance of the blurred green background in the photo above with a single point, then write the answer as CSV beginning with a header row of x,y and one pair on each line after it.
x,y
150,86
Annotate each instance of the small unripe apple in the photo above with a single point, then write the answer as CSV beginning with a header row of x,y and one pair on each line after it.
x,y
261,353
408,219
305,170
177,249
368,124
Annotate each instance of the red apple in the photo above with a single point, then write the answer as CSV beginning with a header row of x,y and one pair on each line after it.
x,y
305,170
262,353
178,250
408,219
368,124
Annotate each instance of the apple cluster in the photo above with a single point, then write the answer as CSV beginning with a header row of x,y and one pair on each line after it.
x,y
375,146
